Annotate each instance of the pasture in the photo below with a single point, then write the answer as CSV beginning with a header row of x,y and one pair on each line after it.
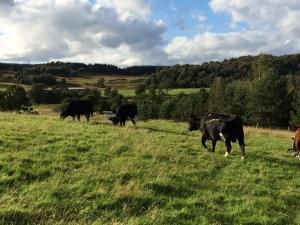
x,y
70,172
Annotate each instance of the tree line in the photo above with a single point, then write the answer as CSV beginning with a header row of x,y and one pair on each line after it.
x,y
242,68
271,100
67,69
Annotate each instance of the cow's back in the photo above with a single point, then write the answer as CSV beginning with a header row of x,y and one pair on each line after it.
x,y
230,124
80,107
127,110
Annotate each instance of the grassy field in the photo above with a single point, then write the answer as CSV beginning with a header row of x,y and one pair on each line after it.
x,y
183,90
70,172
116,81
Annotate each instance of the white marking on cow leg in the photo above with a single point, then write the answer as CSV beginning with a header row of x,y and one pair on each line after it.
x,y
243,157
226,154
222,136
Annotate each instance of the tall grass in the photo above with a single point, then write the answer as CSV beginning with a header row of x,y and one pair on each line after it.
x,y
70,172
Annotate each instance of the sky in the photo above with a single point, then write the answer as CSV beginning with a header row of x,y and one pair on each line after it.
x,y
146,32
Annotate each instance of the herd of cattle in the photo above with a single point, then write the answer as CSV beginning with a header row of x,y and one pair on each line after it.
x,y
213,126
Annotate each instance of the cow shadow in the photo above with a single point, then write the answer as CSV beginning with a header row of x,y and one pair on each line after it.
x,y
95,123
278,161
159,130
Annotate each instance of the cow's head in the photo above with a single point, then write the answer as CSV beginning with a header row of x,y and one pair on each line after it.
x,y
64,114
114,119
193,123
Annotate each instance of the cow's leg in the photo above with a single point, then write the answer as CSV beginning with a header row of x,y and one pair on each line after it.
x,y
133,121
242,147
214,142
78,117
203,140
73,117
228,147
87,115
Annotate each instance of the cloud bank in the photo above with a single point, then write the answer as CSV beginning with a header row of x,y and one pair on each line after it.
x,y
124,33
78,30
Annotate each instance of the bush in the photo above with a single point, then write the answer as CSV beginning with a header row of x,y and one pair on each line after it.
x,y
140,89
101,83
13,98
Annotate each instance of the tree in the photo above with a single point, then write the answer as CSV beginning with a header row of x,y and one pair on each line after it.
x,y
236,99
271,102
13,98
37,93
107,91
101,83
140,89
295,113
216,95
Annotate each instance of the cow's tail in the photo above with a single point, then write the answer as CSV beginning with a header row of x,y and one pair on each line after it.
x,y
222,136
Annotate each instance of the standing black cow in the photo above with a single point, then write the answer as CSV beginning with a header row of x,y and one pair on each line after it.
x,y
124,112
217,126
77,108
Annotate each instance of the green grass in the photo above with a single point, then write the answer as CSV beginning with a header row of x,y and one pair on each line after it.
x,y
127,92
183,90
70,172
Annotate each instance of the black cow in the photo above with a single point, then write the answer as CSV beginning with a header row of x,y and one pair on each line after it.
x,y
124,112
77,108
217,126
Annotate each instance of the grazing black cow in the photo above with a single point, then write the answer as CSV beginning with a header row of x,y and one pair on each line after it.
x,y
124,112
77,108
217,126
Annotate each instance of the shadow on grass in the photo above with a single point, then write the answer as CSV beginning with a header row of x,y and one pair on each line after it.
x,y
17,217
281,162
132,206
168,190
23,177
152,129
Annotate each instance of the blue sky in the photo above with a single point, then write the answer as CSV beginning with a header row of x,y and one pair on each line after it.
x,y
135,32
181,17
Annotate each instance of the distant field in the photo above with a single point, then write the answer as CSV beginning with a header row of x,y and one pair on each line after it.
x,y
117,81
68,172
125,84
183,90
170,91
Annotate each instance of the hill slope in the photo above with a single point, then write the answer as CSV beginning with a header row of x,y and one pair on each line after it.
x,y
65,172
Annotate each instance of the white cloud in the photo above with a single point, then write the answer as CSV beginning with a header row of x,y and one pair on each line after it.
x,y
217,46
43,30
273,28
200,16
133,9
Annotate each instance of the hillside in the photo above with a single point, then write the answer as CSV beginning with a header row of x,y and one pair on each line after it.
x,y
65,172
241,68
